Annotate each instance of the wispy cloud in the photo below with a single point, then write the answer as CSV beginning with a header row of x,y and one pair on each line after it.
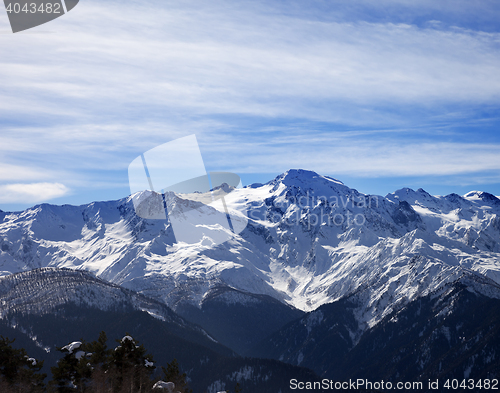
x,y
11,173
357,155
119,77
31,192
225,62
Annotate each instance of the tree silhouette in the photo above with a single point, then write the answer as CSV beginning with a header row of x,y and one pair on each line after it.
x,y
172,373
131,367
19,372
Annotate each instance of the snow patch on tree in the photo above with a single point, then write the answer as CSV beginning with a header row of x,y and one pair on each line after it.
x,y
71,347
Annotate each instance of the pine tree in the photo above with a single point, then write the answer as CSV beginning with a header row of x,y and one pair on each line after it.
x,y
17,370
72,371
131,367
92,367
172,374
99,361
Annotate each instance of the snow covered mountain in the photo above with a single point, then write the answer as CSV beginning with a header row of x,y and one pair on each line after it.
x,y
451,333
46,291
310,240
46,308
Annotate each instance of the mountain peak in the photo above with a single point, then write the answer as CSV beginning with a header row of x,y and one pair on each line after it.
x,y
400,194
405,192
481,196
299,177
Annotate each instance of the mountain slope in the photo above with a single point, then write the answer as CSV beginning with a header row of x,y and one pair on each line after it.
x,y
452,333
48,308
43,292
238,319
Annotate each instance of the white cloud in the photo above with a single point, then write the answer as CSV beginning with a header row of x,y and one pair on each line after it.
x,y
31,192
357,155
119,78
9,172
218,60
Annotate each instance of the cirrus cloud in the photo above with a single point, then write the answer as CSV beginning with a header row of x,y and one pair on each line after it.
x,y
31,192
366,89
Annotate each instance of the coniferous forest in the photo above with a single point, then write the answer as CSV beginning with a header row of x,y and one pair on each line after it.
x,y
90,367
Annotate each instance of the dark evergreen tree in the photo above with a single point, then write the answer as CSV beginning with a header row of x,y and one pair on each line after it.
x,y
100,363
18,371
172,373
101,355
131,367
73,371
87,368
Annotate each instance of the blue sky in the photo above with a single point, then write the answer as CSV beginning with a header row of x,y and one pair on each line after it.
x,y
380,95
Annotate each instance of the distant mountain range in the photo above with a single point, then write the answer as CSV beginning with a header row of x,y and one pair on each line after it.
x,y
320,272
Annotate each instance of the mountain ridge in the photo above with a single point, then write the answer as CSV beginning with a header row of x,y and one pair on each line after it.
x,y
310,240
450,333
